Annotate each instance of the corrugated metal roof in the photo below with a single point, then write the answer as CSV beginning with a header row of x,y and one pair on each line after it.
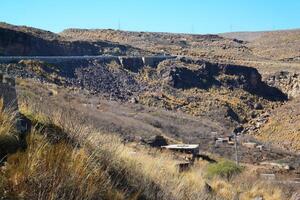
x,y
181,146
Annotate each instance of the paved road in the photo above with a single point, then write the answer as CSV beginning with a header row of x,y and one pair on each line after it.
x,y
2,58
7,59
124,60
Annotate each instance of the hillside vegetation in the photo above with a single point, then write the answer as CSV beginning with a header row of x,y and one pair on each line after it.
x,y
94,122
101,167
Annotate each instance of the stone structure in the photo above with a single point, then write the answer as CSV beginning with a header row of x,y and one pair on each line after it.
x,y
12,142
185,148
8,92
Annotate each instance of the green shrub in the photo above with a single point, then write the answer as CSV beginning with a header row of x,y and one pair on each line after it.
x,y
225,169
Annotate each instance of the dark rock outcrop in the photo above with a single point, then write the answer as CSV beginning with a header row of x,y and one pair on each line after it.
x,y
288,82
156,141
133,64
26,43
187,73
117,83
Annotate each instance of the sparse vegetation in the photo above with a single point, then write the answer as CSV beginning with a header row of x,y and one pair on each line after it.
x,y
83,146
101,167
6,118
223,169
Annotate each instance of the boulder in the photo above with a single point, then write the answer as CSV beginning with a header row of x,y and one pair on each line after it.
x,y
295,196
258,106
133,100
12,142
258,198
184,78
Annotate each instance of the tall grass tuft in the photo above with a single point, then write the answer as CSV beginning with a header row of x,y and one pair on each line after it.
x,y
54,171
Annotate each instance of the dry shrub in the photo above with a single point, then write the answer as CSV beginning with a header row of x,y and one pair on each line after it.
x,y
223,188
55,171
224,169
264,190
7,118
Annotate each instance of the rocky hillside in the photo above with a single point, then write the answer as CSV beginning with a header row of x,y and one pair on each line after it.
x,y
276,45
206,46
226,94
27,41
266,51
212,83
283,127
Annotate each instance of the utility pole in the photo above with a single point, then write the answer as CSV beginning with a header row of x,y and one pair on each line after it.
x,y
236,149
119,25
192,29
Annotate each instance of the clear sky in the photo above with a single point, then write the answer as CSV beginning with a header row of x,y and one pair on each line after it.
x,y
185,16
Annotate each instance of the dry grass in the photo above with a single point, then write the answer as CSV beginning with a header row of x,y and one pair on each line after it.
x,y
55,171
261,189
7,116
101,167
131,170
246,189
48,170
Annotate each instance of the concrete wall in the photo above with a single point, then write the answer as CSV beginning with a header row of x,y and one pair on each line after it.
x,y
153,61
8,92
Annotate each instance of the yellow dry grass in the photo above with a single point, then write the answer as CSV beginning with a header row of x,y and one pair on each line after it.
x,y
266,191
6,119
104,168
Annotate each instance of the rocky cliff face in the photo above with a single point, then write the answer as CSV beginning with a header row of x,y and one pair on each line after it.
x,y
189,73
226,94
288,82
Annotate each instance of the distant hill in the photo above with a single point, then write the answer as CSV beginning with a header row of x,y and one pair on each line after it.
x,y
28,41
245,36
250,46
254,35
235,47
276,45
205,46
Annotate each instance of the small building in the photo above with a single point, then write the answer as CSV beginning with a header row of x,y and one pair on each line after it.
x,y
185,148
250,145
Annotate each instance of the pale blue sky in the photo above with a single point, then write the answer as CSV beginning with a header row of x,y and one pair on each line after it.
x,y
188,16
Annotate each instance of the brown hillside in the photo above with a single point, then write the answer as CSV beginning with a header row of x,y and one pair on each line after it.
x,y
283,127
